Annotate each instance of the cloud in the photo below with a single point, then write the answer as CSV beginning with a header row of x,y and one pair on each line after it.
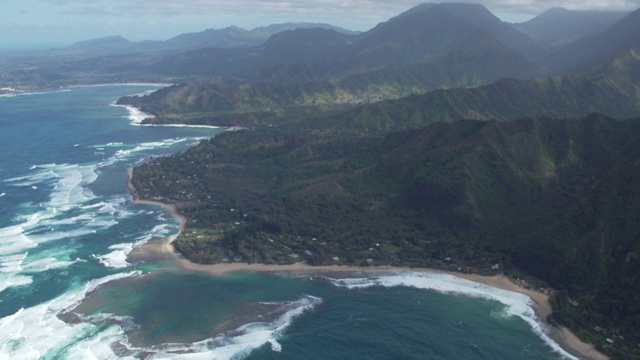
x,y
249,7
356,8
60,21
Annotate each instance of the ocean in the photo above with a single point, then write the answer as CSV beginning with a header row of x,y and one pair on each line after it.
x,y
76,284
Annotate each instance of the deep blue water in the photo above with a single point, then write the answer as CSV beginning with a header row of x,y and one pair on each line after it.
x,y
69,291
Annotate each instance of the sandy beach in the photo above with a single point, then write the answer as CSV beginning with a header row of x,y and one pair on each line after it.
x,y
563,336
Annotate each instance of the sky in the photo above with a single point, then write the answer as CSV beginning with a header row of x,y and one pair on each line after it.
x,y
42,23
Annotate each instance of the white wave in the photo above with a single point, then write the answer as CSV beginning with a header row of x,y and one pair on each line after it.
x,y
517,304
184,126
161,230
10,266
34,93
129,153
37,332
3,194
84,224
12,263
13,239
59,235
45,264
97,346
69,183
239,343
141,240
136,116
11,280
158,231
83,218
31,180
71,187
159,85
117,258
275,346
113,206
111,144
42,166
69,191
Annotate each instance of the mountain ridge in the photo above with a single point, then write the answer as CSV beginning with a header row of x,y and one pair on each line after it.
x,y
229,37
559,26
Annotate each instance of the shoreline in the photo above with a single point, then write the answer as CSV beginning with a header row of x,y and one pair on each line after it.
x,y
541,304
137,118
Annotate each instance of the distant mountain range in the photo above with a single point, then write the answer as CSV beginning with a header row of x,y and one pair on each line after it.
x,y
604,46
558,26
230,37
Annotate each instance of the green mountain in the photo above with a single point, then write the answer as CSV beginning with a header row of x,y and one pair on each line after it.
x,y
557,197
206,103
554,198
611,87
503,100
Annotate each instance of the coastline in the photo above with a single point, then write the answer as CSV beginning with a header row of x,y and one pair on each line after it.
x,y
541,304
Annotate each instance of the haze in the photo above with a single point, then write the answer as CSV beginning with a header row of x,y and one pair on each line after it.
x,y
43,23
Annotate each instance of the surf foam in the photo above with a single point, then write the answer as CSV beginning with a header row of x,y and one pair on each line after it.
x,y
516,304
239,343
37,332
117,258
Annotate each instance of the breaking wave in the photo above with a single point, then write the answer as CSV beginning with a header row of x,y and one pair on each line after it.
x,y
516,304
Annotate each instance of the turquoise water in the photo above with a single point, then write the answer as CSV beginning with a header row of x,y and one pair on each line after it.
x,y
69,291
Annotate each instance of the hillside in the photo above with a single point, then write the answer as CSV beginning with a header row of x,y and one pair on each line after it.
x,y
467,194
612,88
210,103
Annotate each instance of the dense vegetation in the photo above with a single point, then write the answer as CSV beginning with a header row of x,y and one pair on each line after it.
x,y
566,96
554,198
